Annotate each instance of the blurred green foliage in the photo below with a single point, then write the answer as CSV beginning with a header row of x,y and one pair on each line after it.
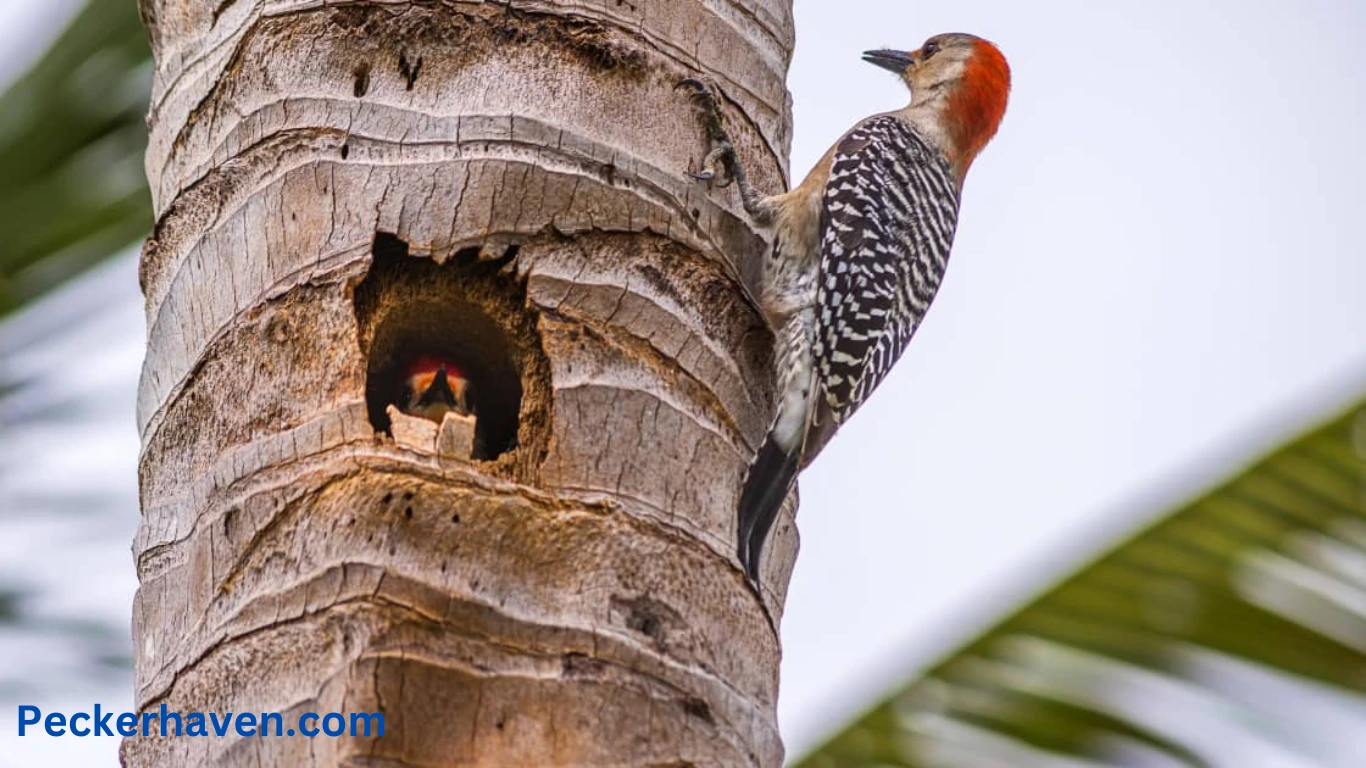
x,y
1263,578
72,137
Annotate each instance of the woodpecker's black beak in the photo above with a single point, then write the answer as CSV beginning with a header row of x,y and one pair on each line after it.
x,y
893,61
439,391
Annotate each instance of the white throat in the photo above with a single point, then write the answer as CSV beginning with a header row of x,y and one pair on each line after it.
x,y
929,104
926,116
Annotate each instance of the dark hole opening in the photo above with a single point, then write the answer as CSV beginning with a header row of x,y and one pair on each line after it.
x,y
420,309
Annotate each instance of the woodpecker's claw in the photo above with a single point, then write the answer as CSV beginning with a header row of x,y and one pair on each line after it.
x,y
695,84
704,97
723,151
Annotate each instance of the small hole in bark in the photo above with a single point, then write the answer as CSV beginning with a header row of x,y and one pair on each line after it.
x,y
408,495
697,708
362,73
230,522
388,497
455,518
409,70
645,624
418,318
408,513
345,151
651,618
575,664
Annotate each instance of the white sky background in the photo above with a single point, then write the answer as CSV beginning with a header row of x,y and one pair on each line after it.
x,y
1158,274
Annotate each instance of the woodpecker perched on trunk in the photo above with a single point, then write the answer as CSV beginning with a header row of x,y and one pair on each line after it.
x,y
859,250
433,388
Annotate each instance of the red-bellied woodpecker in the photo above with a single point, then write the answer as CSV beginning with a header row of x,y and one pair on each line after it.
x,y
434,387
859,250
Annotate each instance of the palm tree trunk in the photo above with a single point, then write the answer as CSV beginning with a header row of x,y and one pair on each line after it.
x,y
340,185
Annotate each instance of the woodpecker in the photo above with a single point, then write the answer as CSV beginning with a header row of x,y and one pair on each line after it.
x,y
434,387
859,249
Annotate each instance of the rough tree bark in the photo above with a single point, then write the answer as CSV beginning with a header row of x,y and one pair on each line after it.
x,y
338,184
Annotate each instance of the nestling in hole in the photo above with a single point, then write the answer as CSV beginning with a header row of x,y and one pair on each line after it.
x,y
435,387
438,353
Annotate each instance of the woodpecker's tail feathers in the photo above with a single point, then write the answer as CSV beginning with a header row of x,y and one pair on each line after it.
x,y
770,479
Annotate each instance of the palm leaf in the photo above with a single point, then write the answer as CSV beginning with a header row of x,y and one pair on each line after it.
x,y
1232,632
72,188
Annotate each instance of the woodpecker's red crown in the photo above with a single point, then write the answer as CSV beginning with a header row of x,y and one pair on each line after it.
x,y
422,372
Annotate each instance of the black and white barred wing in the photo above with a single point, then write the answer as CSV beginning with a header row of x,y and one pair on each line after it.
x,y
891,205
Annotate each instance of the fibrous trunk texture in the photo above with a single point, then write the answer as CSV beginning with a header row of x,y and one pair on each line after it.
x,y
340,185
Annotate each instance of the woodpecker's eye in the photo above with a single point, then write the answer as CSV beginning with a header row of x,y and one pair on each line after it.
x,y
928,50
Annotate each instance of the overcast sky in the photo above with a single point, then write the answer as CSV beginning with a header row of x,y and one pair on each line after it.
x,y
1157,276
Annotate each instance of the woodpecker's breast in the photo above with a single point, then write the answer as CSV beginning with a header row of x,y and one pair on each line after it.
x,y
789,278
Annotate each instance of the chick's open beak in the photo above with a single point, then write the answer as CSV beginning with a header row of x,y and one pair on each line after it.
x,y
439,391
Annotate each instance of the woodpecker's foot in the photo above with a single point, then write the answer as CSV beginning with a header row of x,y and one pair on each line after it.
x,y
722,154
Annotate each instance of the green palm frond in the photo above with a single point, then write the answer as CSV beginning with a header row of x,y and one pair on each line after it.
x,y
1235,623
72,136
